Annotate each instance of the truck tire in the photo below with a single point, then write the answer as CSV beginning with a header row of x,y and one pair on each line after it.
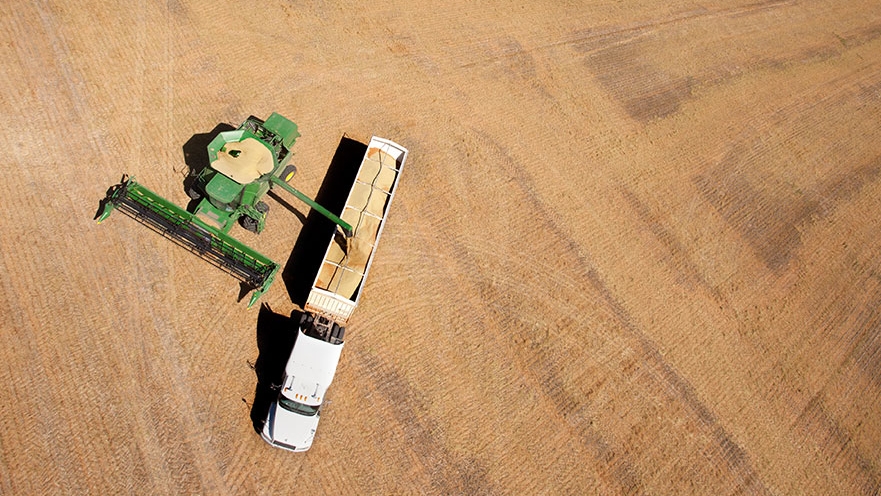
x,y
337,333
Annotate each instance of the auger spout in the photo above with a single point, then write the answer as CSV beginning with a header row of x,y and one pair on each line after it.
x,y
308,201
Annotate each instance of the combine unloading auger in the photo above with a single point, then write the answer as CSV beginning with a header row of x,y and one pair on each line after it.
x,y
244,165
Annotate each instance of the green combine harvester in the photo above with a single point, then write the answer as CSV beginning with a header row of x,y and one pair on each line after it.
x,y
244,165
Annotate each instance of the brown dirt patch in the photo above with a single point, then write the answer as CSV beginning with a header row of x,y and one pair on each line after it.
x,y
634,249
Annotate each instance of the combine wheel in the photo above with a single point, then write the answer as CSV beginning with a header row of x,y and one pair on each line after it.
x,y
262,207
193,193
248,223
288,173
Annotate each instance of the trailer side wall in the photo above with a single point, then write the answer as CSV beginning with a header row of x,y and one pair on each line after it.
x,y
340,280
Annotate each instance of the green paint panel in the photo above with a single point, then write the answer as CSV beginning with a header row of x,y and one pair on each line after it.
x,y
223,189
283,127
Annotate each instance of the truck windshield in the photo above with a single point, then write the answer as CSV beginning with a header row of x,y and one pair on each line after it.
x,y
296,407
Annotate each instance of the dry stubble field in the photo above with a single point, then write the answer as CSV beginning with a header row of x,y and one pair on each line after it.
x,y
635,248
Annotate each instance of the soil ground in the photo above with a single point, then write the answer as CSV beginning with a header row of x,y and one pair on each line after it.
x,y
634,249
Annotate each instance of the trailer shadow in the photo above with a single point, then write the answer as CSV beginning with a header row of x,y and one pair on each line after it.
x,y
305,259
276,335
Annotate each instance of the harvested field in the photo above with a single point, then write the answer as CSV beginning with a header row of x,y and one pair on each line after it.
x,y
634,249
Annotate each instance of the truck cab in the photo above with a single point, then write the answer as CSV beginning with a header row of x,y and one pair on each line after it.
x,y
293,417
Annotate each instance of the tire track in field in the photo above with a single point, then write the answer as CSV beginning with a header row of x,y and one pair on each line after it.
x,y
447,472
676,255
856,380
623,60
770,214
735,457
35,278
539,365
439,245
634,30
819,428
190,463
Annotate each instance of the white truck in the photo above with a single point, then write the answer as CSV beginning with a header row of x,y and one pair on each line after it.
x,y
293,417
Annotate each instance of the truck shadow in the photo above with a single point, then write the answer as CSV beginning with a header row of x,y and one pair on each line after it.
x,y
276,335
305,259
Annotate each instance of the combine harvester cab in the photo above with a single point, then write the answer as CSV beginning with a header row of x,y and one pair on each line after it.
x,y
293,417
244,165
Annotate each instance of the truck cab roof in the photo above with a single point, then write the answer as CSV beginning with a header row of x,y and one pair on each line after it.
x,y
310,369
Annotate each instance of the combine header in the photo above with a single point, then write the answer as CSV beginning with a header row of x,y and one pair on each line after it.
x,y
244,165
255,270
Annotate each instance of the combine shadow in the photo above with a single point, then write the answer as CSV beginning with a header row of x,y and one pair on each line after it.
x,y
276,335
305,259
196,155
287,206
102,204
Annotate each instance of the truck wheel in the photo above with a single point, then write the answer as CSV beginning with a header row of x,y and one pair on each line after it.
x,y
338,332
288,173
